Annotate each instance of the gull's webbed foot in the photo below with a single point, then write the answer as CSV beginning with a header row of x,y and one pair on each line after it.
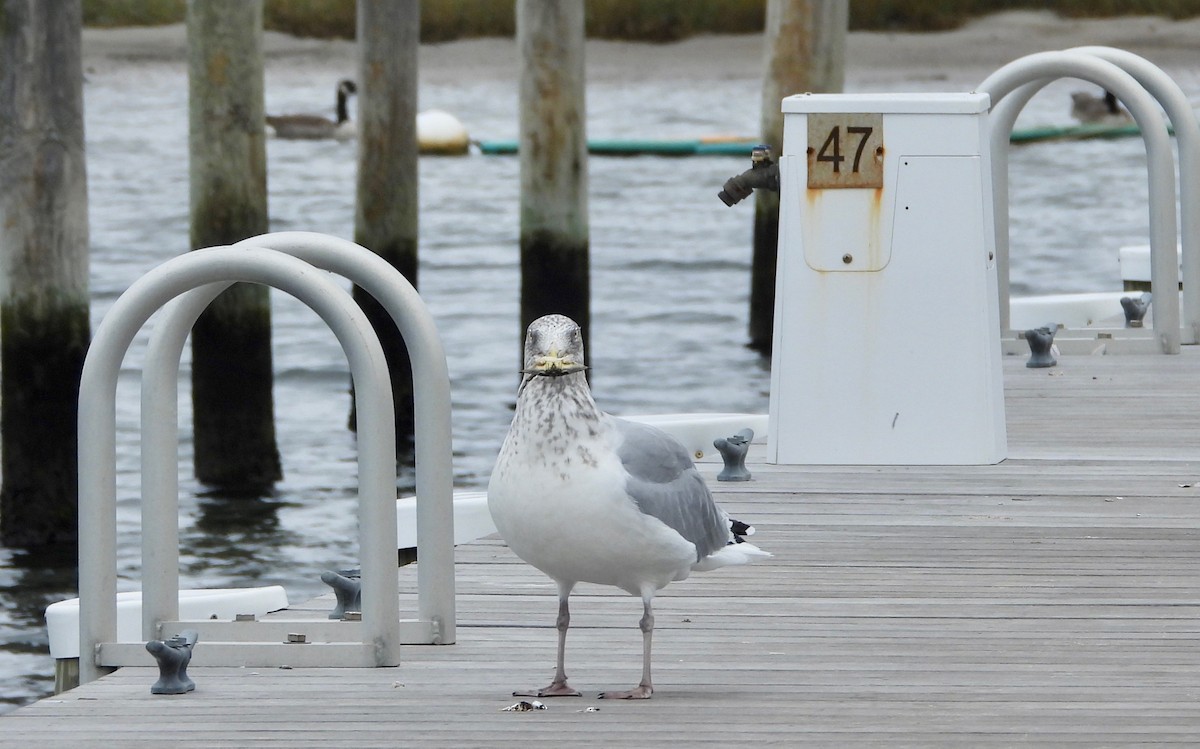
x,y
557,689
640,692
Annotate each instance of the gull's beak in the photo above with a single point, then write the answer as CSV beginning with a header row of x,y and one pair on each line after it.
x,y
552,365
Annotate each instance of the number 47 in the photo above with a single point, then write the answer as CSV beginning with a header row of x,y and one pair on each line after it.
x,y
831,150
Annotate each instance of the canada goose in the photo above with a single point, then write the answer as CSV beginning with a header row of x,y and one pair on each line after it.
x,y
1098,110
313,126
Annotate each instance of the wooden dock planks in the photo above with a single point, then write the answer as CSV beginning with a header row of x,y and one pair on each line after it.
x,y
1048,600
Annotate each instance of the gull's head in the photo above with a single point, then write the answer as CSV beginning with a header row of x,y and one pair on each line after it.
x,y
553,347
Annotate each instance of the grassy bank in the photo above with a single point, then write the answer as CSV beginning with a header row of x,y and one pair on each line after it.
x,y
647,20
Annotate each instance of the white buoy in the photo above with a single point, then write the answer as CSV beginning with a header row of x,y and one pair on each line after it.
x,y
440,132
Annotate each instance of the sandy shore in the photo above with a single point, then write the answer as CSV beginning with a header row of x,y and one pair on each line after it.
x,y
967,53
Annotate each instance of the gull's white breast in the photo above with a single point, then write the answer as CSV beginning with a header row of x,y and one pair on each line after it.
x,y
561,506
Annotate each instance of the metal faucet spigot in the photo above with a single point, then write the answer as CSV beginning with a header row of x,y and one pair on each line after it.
x,y
763,172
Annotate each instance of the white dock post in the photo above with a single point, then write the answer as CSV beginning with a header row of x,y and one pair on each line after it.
x,y
887,347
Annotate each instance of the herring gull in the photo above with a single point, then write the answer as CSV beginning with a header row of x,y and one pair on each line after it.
x,y
587,497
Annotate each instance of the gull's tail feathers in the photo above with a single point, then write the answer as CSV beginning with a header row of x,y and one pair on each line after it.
x,y
731,554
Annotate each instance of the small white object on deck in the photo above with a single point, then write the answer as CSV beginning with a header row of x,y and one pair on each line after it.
x,y
524,706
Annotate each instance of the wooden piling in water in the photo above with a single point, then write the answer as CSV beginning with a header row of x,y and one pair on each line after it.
x,y
234,427
44,328
805,51
553,154
385,219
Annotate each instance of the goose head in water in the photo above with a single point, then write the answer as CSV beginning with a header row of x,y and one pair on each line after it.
x,y
1098,110
316,127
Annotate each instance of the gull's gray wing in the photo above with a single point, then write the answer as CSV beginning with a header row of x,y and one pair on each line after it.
x,y
665,484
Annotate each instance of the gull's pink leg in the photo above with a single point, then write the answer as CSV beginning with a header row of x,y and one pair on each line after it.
x,y
558,687
644,689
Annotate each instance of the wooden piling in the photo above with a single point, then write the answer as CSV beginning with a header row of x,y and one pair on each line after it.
x,y
232,402
553,154
385,219
44,328
805,51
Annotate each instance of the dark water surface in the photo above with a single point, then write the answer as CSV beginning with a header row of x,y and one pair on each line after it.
x,y
670,293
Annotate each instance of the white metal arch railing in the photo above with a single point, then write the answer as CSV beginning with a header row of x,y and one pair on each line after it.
x,y
1019,80
379,631
1187,130
435,621
1187,137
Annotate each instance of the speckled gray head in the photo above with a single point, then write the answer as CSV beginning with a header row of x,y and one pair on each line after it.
x,y
553,347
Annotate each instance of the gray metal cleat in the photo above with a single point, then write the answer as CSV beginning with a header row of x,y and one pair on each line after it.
x,y
1040,340
348,591
733,451
173,656
1135,309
